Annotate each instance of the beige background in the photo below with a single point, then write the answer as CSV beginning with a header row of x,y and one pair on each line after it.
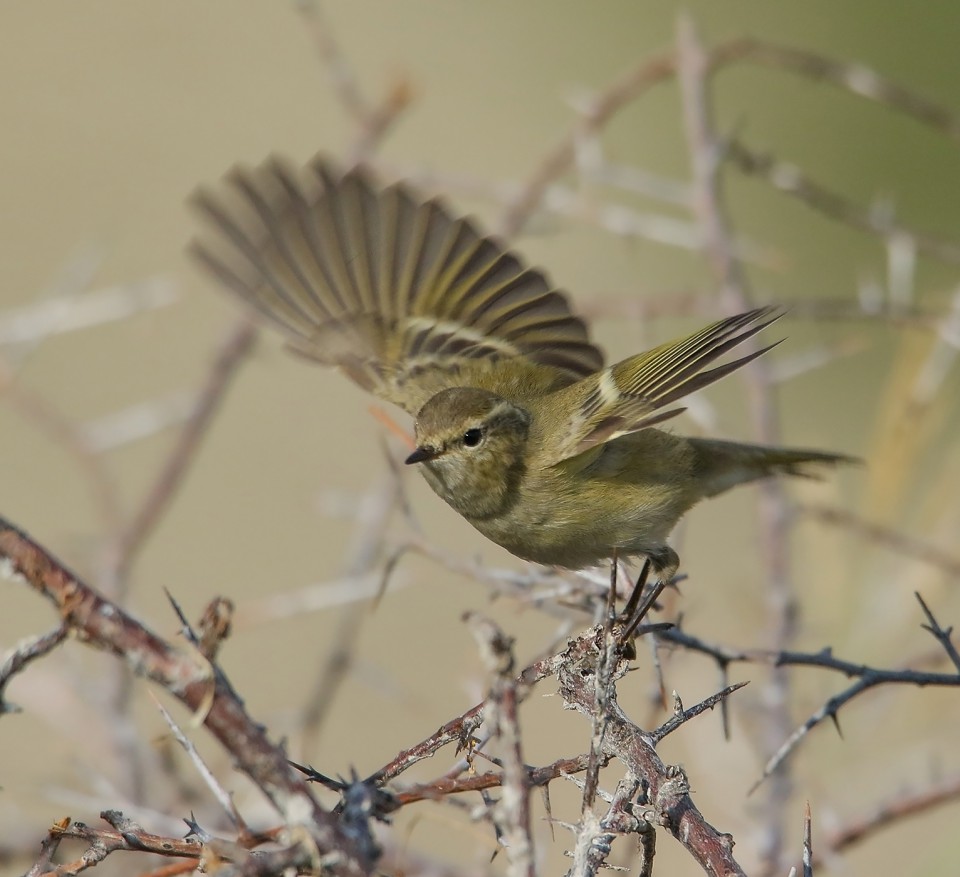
x,y
113,111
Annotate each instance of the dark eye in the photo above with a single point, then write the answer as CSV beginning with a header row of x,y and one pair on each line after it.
x,y
472,437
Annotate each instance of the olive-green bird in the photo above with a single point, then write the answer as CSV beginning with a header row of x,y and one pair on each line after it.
x,y
519,426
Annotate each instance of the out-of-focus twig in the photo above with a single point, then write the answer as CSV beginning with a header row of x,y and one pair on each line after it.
x,y
709,207
512,813
891,812
71,313
888,537
25,653
138,421
231,354
791,180
372,516
373,121
626,88
72,438
224,799
855,78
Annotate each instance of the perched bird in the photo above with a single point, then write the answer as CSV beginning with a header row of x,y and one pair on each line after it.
x,y
519,426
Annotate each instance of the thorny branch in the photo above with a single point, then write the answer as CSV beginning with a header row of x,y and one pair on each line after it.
x,y
866,677
204,690
664,798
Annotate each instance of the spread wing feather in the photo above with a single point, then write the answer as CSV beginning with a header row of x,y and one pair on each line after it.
x,y
404,297
631,395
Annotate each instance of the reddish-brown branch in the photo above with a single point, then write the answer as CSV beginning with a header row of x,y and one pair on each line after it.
x,y
202,689
478,782
892,812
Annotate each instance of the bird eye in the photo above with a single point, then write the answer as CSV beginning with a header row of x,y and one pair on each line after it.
x,y
472,437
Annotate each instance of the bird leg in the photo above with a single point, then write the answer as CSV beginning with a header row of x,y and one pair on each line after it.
x,y
630,608
663,564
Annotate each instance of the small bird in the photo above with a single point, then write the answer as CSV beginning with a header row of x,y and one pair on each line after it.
x,y
519,426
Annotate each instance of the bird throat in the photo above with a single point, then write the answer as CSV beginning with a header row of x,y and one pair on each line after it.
x,y
478,493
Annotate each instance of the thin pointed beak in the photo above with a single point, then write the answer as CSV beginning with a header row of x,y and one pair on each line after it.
x,y
421,454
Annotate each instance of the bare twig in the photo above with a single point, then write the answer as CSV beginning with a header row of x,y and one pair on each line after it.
x,y
73,313
831,709
576,668
475,782
221,794
866,678
807,841
855,78
891,812
136,422
564,201
512,812
124,835
105,625
372,121
342,77
72,438
560,159
942,634
682,715
25,653
791,180
372,516
667,787
607,664
888,537
201,849
48,847
824,659
709,207
228,359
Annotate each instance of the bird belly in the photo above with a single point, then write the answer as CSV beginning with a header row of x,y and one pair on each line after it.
x,y
583,528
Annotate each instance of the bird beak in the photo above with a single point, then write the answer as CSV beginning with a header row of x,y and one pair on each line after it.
x,y
421,454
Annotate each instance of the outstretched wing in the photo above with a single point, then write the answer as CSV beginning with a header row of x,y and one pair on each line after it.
x,y
631,395
404,297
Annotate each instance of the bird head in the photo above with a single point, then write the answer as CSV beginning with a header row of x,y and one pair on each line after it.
x,y
472,444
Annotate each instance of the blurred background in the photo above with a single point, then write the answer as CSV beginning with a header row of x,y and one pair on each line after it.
x,y
115,111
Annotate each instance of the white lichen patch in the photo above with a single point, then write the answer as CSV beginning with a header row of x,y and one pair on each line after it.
x,y
9,572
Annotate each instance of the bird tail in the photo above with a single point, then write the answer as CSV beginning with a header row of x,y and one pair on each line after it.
x,y
722,465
